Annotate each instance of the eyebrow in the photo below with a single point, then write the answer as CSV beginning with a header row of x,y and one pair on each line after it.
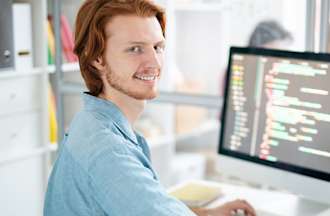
x,y
145,43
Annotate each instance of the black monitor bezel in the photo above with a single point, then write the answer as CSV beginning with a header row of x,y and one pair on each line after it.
x,y
323,57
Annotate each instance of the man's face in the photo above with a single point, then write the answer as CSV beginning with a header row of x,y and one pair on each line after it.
x,y
134,55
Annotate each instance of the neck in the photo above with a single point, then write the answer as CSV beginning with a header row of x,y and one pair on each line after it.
x,y
131,107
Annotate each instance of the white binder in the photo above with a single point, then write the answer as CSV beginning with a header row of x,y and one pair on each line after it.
x,y
22,37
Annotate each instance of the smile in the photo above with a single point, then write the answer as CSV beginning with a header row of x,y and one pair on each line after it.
x,y
147,78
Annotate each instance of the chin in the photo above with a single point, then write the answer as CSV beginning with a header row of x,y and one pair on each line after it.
x,y
152,96
144,96
136,93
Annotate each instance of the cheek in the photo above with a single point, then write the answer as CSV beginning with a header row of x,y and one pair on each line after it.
x,y
136,63
123,66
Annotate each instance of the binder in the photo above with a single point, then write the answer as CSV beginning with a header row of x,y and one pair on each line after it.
x,y
6,32
22,37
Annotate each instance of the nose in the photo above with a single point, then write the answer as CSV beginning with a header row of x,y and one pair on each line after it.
x,y
154,59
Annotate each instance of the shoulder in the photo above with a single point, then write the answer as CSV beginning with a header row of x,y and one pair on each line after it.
x,y
88,121
90,137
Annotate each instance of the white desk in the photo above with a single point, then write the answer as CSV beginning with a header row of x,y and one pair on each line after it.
x,y
279,203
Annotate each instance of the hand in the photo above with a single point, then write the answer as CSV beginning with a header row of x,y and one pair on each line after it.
x,y
229,208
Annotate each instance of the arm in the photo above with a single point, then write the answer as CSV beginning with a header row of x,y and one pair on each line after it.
x,y
123,185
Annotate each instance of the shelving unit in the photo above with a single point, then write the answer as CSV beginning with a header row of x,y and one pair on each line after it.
x,y
24,147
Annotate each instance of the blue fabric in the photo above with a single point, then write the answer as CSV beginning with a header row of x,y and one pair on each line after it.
x,y
103,168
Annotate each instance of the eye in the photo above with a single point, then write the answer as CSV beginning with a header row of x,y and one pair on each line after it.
x,y
159,48
136,49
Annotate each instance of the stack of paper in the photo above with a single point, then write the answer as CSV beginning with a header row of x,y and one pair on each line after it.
x,y
195,194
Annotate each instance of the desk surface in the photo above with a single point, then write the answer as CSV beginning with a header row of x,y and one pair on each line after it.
x,y
276,202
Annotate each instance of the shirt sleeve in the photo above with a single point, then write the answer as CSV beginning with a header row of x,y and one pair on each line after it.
x,y
122,185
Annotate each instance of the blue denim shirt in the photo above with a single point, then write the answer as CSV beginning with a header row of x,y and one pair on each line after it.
x,y
103,168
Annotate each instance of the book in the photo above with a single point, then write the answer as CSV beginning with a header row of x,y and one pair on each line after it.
x,y
51,42
52,116
67,40
196,194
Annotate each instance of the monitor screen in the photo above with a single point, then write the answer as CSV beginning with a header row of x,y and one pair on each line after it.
x,y
277,110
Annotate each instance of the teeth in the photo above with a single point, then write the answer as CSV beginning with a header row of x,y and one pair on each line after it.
x,y
145,77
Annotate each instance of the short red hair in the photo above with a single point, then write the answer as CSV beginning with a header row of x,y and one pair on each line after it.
x,y
90,37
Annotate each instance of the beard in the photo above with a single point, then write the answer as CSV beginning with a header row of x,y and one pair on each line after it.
x,y
131,90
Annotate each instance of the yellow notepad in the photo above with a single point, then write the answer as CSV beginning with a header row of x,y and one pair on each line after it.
x,y
195,194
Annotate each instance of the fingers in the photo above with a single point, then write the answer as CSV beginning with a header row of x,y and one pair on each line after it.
x,y
243,205
233,207
248,208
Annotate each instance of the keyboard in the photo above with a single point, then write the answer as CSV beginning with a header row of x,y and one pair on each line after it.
x,y
265,213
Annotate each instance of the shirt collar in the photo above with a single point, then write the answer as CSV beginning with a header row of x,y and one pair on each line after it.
x,y
111,112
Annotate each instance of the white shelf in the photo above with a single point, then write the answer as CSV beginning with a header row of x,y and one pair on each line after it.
x,y
67,67
26,154
12,73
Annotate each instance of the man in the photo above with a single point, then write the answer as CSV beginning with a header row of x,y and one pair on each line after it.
x,y
103,167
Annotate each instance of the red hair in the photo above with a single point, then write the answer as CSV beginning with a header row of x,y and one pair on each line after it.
x,y
90,37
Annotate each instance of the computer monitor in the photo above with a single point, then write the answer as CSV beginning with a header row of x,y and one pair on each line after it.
x,y
275,126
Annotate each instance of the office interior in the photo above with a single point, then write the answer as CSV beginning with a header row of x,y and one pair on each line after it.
x,y
41,87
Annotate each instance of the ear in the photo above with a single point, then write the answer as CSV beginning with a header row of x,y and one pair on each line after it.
x,y
99,64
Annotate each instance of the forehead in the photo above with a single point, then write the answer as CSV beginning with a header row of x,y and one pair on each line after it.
x,y
124,29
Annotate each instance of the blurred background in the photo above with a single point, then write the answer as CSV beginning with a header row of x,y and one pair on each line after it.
x,y
41,85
